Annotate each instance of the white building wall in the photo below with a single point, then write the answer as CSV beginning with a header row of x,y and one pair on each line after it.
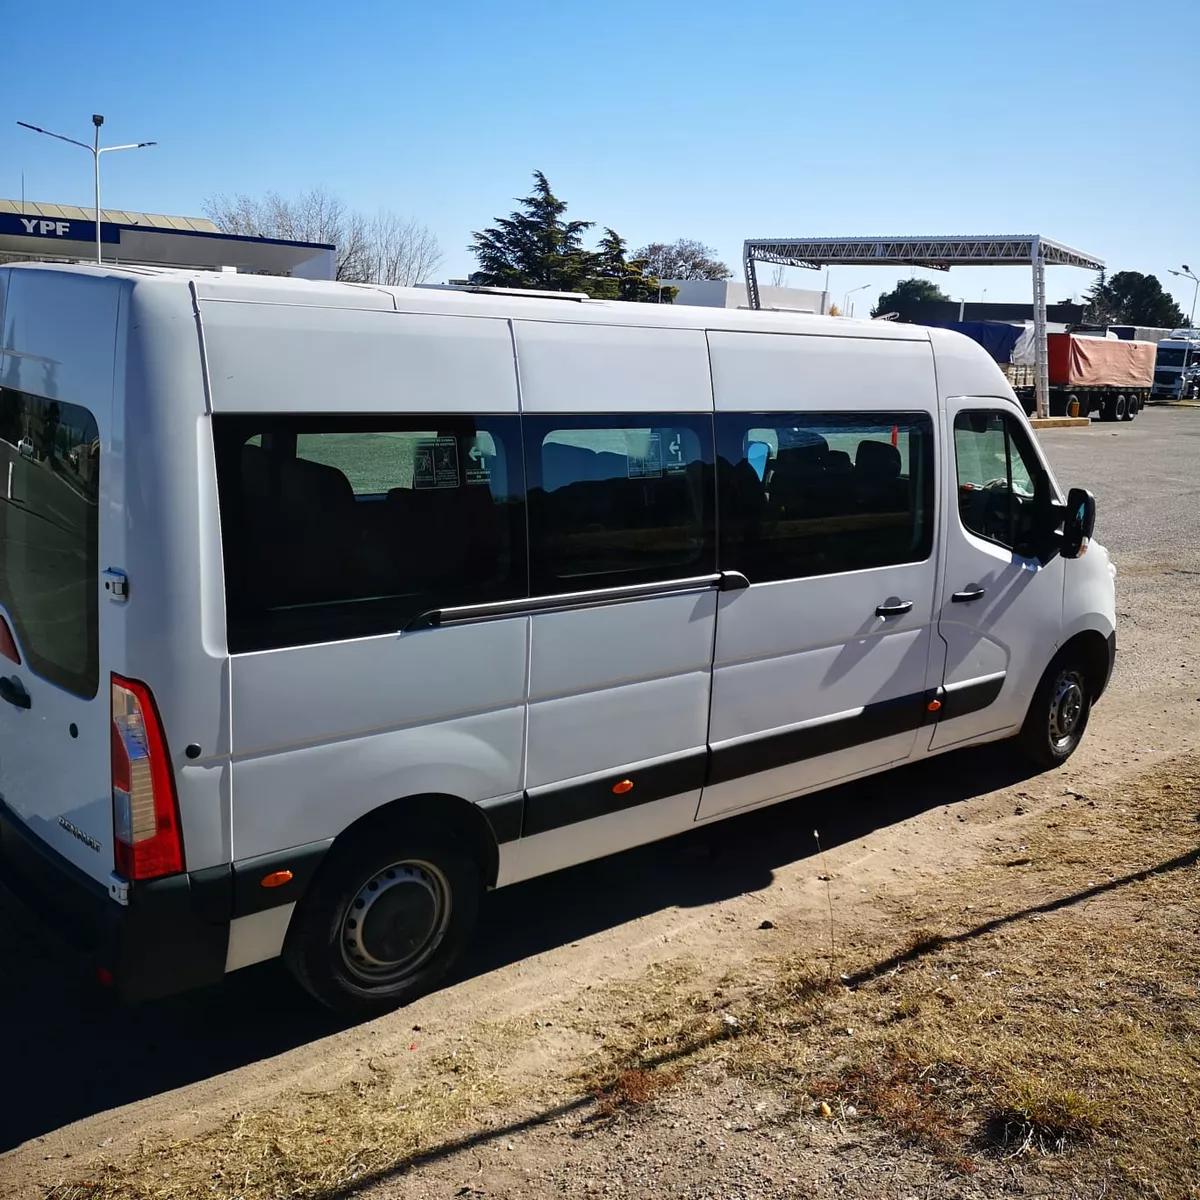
x,y
728,293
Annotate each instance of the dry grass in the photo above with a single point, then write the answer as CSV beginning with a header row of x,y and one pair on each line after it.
x,y
1042,1018
322,1144
1056,1014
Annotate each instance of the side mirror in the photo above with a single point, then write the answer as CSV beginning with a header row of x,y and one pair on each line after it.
x,y
1078,523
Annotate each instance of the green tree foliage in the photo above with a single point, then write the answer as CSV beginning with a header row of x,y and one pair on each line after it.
x,y
906,294
619,278
536,247
1131,298
684,259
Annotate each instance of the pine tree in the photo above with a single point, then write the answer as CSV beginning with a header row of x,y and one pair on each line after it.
x,y
619,278
535,247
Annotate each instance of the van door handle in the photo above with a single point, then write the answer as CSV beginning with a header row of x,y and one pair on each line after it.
x,y
14,692
965,597
896,609
732,581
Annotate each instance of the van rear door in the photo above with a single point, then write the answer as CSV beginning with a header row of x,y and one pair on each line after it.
x,y
56,389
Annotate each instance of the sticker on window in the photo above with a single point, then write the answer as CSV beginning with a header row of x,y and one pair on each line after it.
x,y
436,464
479,467
676,463
648,464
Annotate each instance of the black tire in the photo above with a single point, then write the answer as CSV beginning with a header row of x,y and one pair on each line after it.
x,y
424,888
1120,408
1058,713
1134,408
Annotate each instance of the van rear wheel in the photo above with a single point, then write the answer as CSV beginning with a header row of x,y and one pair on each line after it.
x,y
1058,714
385,919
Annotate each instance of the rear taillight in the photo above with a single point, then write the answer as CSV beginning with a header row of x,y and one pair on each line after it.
x,y
146,831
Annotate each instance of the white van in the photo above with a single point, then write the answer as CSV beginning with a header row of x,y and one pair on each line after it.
x,y
353,602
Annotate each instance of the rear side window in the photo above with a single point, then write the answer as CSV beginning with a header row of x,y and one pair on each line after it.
x,y
618,500
336,527
49,582
823,493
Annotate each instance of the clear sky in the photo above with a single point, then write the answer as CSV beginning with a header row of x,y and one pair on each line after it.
x,y
712,119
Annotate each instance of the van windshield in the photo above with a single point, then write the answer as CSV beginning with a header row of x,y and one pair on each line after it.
x,y
49,486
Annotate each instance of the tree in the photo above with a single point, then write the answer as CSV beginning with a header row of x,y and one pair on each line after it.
x,y
534,247
905,295
683,259
12,415
386,248
48,430
619,278
1131,298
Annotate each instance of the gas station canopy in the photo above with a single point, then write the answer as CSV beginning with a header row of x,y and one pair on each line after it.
x,y
61,231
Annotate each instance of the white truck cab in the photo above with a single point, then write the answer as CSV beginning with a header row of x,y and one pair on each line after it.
x,y
328,608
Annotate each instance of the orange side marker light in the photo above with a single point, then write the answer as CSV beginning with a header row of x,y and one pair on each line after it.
x,y
626,785
934,705
275,879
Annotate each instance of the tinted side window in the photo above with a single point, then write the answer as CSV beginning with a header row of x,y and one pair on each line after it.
x,y
821,493
998,474
618,500
336,527
49,579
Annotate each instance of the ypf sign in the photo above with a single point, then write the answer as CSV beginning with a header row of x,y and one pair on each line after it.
x,y
51,229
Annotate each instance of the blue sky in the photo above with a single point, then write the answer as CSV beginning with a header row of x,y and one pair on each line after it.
x,y
718,121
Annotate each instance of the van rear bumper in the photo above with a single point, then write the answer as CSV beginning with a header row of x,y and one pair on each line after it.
x,y
164,941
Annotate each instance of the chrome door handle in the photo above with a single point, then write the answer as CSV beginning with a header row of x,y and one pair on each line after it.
x,y
894,608
965,597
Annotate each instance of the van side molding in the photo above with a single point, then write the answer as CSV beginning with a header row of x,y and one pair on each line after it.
x,y
526,606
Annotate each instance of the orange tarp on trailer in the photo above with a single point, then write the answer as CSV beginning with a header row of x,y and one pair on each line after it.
x,y
1100,362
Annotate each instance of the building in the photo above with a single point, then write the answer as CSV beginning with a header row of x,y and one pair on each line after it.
x,y
728,293
30,230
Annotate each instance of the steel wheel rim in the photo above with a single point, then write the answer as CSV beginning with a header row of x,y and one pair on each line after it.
x,y
396,921
1066,709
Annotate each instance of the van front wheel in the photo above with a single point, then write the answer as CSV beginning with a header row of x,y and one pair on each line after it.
x,y
1058,714
384,920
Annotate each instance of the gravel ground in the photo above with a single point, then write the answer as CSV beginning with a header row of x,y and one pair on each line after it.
x,y
193,1061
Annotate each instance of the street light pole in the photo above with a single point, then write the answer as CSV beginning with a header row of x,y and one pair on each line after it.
x,y
1187,273
846,298
95,150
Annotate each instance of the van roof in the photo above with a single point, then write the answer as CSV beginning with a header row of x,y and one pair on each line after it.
x,y
220,286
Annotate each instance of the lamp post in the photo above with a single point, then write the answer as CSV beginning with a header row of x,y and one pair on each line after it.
x,y
95,150
846,298
1187,273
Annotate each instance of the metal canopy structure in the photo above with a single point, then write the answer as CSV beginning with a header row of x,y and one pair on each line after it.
x,y
933,253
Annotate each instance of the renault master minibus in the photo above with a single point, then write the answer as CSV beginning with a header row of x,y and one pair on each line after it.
x,y
324,609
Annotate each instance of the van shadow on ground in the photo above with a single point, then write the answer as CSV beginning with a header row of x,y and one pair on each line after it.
x,y
68,1051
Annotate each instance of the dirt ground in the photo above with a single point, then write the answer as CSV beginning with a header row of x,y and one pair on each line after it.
x,y
981,982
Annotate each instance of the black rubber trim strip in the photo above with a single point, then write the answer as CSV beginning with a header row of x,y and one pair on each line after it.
x,y
505,819
556,806
959,701
249,896
883,719
1112,662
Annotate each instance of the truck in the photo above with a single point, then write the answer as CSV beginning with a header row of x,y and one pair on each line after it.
x,y
1177,366
1108,377
1094,373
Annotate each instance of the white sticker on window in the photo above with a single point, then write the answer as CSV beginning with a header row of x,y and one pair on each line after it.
x,y
436,464
479,467
676,463
649,464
